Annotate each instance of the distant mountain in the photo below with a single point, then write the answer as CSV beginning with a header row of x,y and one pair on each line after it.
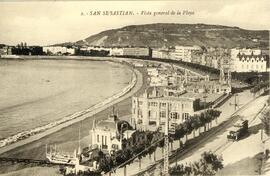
x,y
160,34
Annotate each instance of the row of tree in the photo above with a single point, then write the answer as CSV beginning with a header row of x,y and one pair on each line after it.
x,y
259,87
79,52
196,122
143,143
209,164
265,118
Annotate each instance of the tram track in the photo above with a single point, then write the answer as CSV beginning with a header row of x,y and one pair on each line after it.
x,y
227,144
204,138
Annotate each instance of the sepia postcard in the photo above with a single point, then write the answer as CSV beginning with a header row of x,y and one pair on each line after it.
x,y
134,88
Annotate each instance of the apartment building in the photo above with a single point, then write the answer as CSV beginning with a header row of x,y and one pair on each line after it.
x,y
183,53
248,60
150,110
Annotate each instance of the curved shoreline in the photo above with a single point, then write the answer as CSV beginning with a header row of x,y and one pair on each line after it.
x,y
53,127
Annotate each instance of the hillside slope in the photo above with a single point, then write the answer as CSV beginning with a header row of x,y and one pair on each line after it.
x,y
153,35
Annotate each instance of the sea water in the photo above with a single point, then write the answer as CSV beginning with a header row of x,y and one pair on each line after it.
x,y
34,93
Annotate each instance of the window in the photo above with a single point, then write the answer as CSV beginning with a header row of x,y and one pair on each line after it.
x,y
163,104
115,146
154,104
140,112
186,115
97,138
162,114
173,115
140,102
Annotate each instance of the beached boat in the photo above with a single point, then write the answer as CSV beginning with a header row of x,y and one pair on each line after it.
x,y
55,156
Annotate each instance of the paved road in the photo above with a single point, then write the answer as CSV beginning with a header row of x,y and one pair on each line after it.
x,y
195,147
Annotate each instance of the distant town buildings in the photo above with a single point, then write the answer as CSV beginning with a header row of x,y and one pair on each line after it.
x,y
235,60
131,51
4,50
58,50
116,52
163,53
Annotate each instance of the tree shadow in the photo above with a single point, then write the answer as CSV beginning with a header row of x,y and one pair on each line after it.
x,y
246,166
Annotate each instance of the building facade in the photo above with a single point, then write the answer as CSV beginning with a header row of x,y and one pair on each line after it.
x,y
183,53
116,52
150,111
107,135
248,60
136,51
58,50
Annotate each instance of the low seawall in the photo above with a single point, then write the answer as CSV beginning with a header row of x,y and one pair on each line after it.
x,y
25,57
70,118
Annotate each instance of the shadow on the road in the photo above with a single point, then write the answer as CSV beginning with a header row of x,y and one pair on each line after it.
x,y
246,166
204,138
252,131
266,93
255,129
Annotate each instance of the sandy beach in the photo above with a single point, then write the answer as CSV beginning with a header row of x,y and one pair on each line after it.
x,y
66,135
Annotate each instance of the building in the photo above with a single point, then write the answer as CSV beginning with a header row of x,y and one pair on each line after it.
x,y
163,53
183,53
211,87
132,51
248,60
150,110
160,53
58,50
211,57
136,51
116,52
4,50
245,51
107,134
197,57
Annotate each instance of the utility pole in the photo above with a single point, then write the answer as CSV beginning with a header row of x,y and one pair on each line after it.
x,y
235,104
166,144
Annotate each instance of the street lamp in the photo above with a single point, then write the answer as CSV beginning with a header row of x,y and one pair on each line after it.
x,y
235,102
204,97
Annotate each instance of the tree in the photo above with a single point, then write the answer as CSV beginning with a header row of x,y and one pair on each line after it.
x,y
266,122
187,127
203,120
210,163
194,123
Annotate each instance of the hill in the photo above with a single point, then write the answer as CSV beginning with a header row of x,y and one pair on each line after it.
x,y
153,35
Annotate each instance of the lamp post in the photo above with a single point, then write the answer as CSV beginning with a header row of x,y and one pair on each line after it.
x,y
204,97
235,102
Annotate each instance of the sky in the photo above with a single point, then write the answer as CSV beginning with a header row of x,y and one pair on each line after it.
x,y
51,22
